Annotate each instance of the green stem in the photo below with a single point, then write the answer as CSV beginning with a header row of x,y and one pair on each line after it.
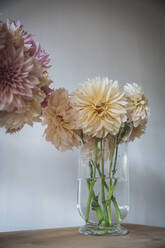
x,y
105,184
91,169
111,163
97,207
113,199
109,214
115,162
96,151
92,183
116,208
110,184
82,137
89,201
102,184
111,191
110,194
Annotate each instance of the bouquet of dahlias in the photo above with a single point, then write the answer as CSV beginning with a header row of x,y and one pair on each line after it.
x,y
24,81
98,116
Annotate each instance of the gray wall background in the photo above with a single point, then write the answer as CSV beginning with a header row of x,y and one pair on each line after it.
x,y
123,40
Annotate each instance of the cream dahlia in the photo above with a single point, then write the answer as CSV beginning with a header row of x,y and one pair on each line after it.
x,y
100,104
137,106
60,118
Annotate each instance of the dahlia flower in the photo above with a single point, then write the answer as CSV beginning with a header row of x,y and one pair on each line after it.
x,y
100,104
18,78
18,35
60,118
22,77
14,121
138,131
137,107
33,48
40,55
45,82
3,35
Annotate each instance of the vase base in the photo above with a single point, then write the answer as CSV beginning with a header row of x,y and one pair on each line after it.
x,y
115,230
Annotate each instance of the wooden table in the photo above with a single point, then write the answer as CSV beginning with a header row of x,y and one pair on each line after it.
x,y
139,237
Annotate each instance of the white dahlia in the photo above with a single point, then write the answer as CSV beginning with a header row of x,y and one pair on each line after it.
x,y
138,131
137,106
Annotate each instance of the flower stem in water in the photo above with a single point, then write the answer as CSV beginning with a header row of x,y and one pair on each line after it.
x,y
95,204
103,184
92,183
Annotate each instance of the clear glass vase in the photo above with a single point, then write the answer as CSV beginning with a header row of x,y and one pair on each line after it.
x,y
103,187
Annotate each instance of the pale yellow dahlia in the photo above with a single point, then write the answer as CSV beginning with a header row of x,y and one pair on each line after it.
x,y
138,131
60,118
14,121
100,104
137,107
88,148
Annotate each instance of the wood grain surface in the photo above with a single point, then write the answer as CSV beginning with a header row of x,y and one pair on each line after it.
x,y
139,237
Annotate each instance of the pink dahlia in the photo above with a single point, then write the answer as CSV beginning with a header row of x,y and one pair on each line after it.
x,y
39,54
33,47
15,121
4,35
13,31
22,74
18,78
17,28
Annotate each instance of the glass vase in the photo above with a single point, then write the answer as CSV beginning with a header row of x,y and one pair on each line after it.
x,y
103,186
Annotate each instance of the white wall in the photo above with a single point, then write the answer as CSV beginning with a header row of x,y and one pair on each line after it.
x,y
120,39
